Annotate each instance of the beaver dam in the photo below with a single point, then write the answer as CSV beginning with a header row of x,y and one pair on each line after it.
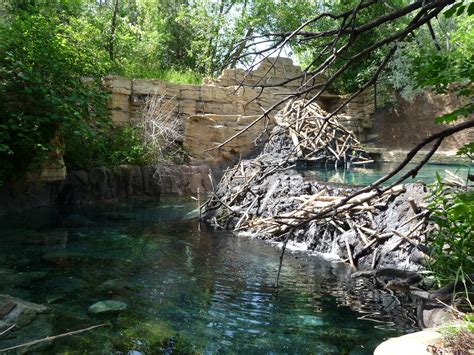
x,y
384,229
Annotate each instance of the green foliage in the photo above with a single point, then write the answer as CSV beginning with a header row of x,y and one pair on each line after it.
x,y
360,71
179,76
467,149
463,111
107,146
41,88
215,29
452,244
419,64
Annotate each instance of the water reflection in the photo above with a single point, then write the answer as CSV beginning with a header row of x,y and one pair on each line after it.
x,y
365,175
203,292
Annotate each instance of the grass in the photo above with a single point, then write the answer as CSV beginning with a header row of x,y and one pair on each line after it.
x,y
177,76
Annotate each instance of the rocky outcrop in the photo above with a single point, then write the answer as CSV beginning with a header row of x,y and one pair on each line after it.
x,y
271,72
105,185
219,108
205,132
407,122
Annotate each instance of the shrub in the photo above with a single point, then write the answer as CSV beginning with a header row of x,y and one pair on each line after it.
x,y
108,146
42,93
452,243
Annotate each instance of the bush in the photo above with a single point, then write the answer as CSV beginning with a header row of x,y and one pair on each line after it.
x,y
107,146
452,243
42,93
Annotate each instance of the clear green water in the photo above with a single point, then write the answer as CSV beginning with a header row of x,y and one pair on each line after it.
x,y
187,291
365,176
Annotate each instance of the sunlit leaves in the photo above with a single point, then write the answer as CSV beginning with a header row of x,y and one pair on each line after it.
x,y
464,111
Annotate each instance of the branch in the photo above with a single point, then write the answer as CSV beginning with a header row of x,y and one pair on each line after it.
x,y
34,342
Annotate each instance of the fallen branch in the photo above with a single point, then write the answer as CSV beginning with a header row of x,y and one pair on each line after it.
x,y
34,342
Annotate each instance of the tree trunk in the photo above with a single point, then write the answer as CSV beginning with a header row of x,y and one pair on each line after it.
x,y
113,26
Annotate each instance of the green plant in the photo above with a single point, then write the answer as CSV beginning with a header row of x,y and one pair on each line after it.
x,y
109,146
43,95
452,243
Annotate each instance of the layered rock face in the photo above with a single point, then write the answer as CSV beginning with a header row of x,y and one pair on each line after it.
x,y
212,112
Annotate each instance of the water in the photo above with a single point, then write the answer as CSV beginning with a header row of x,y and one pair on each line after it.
x,y
364,176
186,291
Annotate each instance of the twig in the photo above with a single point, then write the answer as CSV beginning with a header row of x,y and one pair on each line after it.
x,y
283,248
8,329
349,253
34,342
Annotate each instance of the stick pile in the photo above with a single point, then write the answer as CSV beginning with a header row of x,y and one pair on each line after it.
x,y
318,138
262,198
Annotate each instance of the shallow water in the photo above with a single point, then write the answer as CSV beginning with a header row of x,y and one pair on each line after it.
x,y
186,291
366,175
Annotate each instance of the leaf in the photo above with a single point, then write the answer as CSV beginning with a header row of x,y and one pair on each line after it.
x,y
467,149
470,9
460,10
454,115
450,12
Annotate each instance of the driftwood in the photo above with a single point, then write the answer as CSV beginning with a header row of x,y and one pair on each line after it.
x,y
34,342
248,195
319,139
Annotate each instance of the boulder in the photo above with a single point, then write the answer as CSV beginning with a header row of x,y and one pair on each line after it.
x,y
410,344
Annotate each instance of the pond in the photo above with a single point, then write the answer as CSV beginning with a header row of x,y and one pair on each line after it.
x,y
365,175
187,291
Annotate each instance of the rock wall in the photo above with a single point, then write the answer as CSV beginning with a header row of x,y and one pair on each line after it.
x,y
407,122
104,185
217,109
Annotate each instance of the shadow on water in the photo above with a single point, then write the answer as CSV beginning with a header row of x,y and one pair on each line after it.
x,y
186,291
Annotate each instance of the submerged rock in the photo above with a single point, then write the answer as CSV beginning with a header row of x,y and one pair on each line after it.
x,y
31,321
108,306
65,284
50,238
112,286
117,216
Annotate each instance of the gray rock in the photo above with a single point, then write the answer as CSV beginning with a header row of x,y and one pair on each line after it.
x,y
108,306
31,320
414,343
437,317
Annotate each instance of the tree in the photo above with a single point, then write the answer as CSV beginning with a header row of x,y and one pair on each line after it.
x,y
341,47
42,91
